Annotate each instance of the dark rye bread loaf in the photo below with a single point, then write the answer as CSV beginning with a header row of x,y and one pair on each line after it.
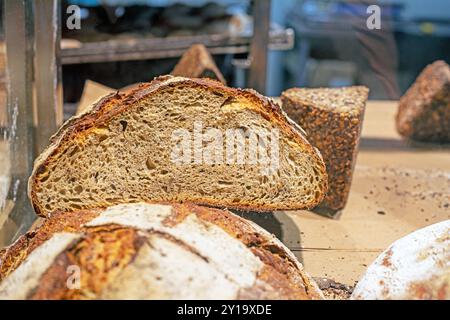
x,y
424,111
196,62
126,148
151,251
332,119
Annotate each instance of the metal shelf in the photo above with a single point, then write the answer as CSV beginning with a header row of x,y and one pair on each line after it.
x,y
170,47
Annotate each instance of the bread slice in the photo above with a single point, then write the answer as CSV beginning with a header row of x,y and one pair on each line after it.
x,y
196,62
151,251
332,118
147,145
424,111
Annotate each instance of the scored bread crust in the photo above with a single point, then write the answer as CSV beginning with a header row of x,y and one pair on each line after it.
x,y
279,274
113,104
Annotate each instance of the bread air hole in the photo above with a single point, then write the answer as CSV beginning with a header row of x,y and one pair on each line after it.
x,y
150,164
73,151
44,178
102,137
124,124
317,195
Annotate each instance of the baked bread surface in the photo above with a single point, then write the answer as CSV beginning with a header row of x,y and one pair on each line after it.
x,y
424,111
120,149
197,62
416,266
151,251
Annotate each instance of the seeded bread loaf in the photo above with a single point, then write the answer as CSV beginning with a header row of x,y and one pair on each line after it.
x,y
416,266
126,148
151,251
196,62
332,118
424,111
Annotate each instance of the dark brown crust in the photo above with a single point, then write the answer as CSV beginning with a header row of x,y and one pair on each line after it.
x,y
335,133
278,263
424,111
100,255
103,250
113,104
57,222
196,62
272,285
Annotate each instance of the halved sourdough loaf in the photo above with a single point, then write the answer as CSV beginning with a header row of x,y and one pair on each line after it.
x,y
122,150
151,251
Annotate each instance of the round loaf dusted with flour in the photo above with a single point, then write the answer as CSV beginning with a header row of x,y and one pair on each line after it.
x,y
414,267
151,251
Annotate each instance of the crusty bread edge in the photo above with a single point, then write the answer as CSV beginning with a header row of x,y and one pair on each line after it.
x,y
363,90
311,286
115,103
21,247
403,124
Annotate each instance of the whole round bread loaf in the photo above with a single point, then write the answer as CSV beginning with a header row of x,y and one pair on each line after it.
x,y
151,251
415,267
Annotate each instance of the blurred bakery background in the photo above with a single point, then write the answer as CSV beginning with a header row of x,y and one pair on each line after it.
x,y
47,55
312,42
